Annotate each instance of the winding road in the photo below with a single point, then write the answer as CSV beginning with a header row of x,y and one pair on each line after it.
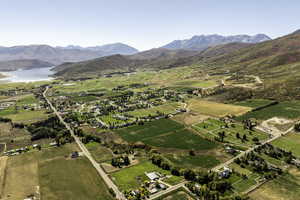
x,y
107,180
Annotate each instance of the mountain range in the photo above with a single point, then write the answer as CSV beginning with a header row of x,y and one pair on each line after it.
x,y
275,61
202,42
13,65
59,55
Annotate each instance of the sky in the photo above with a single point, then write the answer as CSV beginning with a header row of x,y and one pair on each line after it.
x,y
143,24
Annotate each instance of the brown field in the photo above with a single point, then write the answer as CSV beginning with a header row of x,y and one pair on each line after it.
x,y
190,118
50,174
21,177
285,187
215,109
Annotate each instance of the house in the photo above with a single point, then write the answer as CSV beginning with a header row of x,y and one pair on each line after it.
x,y
225,173
153,176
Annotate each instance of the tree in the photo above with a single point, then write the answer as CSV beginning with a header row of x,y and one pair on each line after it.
x,y
297,126
245,137
255,139
192,153
237,135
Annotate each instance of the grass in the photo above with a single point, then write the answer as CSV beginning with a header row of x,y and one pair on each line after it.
x,y
132,177
287,109
77,180
173,180
148,130
179,194
289,142
242,185
181,139
165,108
99,153
196,83
187,161
286,187
215,109
253,103
211,127
28,117
52,173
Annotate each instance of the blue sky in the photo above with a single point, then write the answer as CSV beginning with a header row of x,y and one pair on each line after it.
x,y
144,24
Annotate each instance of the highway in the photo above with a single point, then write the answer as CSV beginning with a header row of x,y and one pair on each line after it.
x,y
107,180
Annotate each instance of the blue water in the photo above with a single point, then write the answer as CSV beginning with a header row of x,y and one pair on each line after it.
x,y
29,75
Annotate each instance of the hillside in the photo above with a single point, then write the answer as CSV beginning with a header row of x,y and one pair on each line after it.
x,y
148,60
202,42
13,65
59,55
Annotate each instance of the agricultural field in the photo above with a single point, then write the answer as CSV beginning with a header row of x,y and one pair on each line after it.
x,y
286,109
197,161
20,115
254,103
165,108
99,152
133,177
289,142
39,173
196,84
180,194
286,186
182,139
165,133
215,109
148,130
211,127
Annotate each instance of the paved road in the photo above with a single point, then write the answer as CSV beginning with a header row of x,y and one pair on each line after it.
x,y
170,189
251,149
107,180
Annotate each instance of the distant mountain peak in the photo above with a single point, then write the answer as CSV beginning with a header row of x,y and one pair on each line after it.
x,y
201,42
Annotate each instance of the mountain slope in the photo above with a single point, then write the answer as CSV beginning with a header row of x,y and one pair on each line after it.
x,y
58,55
108,49
148,60
202,42
13,65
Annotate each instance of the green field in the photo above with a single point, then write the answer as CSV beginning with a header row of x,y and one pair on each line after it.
x,y
181,139
187,161
173,180
211,127
179,194
71,179
289,142
99,152
287,109
196,84
165,108
133,177
254,103
148,130
54,175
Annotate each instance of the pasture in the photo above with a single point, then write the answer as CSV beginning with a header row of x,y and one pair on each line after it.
x,y
40,173
253,103
167,108
286,186
287,109
215,109
148,130
133,177
179,194
188,161
211,127
182,139
289,142
99,152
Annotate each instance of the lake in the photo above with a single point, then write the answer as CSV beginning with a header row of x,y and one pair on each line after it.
x,y
29,75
